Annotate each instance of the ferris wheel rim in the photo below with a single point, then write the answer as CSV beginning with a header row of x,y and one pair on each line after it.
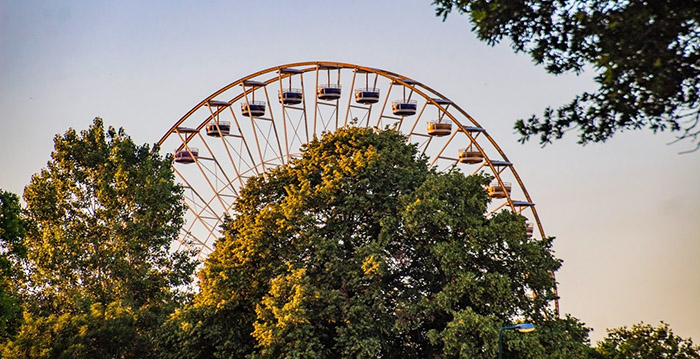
x,y
284,72
471,128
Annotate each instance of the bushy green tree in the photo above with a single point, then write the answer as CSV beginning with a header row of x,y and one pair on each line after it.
x,y
12,253
101,277
646,55
644,341
358,250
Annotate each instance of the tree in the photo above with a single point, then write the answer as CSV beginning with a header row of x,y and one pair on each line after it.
x,y
358,250
646,54
101,276
12,252
643,341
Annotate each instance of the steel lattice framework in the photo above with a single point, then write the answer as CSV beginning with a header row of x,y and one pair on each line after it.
x,y
262,120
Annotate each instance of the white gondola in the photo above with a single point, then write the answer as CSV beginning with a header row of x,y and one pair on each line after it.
x,y
217,130
439,128
497,191
187,156
253,108
404,107
290,96
328,92
367,95
470,156
530,229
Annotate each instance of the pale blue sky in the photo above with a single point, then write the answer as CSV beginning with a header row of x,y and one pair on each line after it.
x,y
626,214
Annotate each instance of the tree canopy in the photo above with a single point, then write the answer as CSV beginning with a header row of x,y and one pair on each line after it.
x,y
646,55
645,341
358,250
101,276
12,253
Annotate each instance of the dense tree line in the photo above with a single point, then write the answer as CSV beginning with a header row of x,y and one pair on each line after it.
x,y
355,250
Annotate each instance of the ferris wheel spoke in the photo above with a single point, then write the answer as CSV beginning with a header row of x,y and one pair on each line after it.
x,y
242,164
315,100
200,166
442,150
282,99
227,180
292,129
336,110
375,88
267,145
412,131
295,133
201,207
205,206
319,116
191,153
386,100
503,204
218,193
364,117
244,141
196,245
253,109
352,89
274,126
226,146
305,113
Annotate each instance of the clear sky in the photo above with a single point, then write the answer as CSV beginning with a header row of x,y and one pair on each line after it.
x,y
626,213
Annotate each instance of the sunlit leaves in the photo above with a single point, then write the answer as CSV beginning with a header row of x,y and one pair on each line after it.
x,y
358,250
102,217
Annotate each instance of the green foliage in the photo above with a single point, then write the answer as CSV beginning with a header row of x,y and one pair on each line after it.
x,y
358,250
12,253
643,341
645,54
110,331
102,216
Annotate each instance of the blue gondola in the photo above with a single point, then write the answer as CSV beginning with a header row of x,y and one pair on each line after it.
x,y
222,129
290,96
253,108
404,107
185,156
328,92
367,95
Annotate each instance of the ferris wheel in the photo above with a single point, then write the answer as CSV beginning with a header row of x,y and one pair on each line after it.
x,y
262,120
